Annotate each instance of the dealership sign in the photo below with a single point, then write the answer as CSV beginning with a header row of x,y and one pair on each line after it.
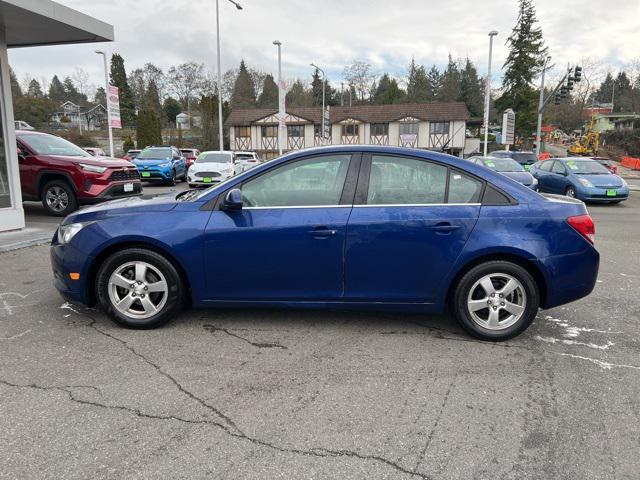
x,y
508,127
113,103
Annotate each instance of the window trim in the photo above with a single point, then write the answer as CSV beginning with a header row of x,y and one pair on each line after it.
x,y
346,197
362,191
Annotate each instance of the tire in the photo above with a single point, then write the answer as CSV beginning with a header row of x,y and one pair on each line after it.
x,y
480,321
167,301
570,192
58,198
173,179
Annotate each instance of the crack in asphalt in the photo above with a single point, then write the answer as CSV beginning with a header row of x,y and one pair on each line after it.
x,y
213,329
314,452
230,428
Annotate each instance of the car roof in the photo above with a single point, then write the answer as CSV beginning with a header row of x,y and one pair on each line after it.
x,y
218,151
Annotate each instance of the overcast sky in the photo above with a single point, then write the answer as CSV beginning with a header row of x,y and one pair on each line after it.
x,y
332,33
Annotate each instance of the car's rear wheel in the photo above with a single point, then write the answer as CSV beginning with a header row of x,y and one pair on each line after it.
x,y
496,300
139,288
58,198
570,192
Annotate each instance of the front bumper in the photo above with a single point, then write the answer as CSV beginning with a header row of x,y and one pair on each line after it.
x,y
596,194
114,192
66,259
151,174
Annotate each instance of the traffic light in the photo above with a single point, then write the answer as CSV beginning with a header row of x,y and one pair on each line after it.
x,y
570,82
564,91
556,99
577,74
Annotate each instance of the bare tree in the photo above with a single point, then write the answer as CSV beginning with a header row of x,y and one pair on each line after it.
x,y
81,79
359,75
186,81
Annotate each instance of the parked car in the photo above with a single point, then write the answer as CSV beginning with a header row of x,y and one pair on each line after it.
x,y
247,160
212,167
22,125
526,159
95,151
161,164
581,178
347,227
62,175
509,168
131,154
606,163
190,155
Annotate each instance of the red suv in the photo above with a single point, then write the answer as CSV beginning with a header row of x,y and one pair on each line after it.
x,y
63,176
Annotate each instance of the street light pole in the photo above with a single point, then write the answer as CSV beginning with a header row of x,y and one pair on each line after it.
x,y
324,82
220,130
487,93
540,108
281,109
106,95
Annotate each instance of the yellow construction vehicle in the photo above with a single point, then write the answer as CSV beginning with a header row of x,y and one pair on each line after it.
x,y
589,143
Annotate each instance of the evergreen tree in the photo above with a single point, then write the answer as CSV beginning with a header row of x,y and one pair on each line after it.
x,y
471,89
244,91
623,96
417,84
119,79
209,112
316,89
605,91
148,128
56,90
152,99
171,108
387,91
299,96
524,62
434,83
269,96
71,92
450,91
35,90
100,97
128,144
16,91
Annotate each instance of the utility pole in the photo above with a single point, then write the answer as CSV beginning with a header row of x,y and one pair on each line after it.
x,y
106,92
281,99
324,82
487,93
540,104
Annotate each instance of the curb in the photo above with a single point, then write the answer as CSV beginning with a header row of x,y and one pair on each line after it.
x,y
10,247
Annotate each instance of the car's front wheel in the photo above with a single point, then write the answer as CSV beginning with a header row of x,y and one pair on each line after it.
x,y
139,288
58,198
570,192
496,300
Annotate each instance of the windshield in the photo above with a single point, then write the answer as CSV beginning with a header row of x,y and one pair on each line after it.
x,y
214,157
243,156
52,145
523,158
586,167
502,164
154,154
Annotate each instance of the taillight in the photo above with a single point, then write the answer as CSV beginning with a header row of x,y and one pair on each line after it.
x,y
584,225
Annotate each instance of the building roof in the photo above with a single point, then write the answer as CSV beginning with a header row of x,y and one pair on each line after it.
x,y
44,22
435,111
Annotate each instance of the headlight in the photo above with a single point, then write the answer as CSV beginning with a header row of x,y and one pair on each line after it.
x,y
67,232
93,168
164,165
624,182
585,182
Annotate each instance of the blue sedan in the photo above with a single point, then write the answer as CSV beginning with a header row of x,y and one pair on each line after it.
x,y
163,164
581,178
348,227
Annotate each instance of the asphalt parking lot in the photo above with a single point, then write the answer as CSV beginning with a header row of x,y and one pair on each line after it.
x,y
311,395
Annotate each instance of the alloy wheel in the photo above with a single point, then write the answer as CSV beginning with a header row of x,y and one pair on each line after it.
x,y
496,301
570,192
138,290
57,198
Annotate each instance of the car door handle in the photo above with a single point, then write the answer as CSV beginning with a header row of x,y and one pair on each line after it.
x,y
322,232
443,227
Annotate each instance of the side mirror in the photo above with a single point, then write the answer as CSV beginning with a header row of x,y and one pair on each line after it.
x,y
20,153
233,200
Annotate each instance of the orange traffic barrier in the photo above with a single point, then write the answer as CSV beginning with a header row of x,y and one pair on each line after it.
x,y
630,162
544,156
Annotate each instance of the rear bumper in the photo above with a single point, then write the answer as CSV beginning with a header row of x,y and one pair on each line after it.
x,y
569,277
